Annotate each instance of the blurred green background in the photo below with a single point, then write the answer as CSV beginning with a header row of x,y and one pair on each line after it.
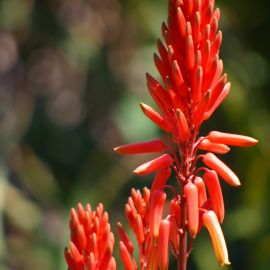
x,y
71,76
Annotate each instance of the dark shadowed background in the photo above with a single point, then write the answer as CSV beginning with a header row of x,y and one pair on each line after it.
x,y
72,74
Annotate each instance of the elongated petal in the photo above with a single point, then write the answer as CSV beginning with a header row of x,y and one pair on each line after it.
x,y
112,264
105,259
126,257
191,194
211,180
181,21
159,163
160,179
156,89
218,148
156,117
231,139
197,84
211,109
139,230
76,256
190,52
201,190
198,115
219,245
156,211
153,146
124,238
183,125
221,168
178,79
163,244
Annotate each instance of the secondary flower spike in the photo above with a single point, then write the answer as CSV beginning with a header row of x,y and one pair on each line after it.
x,y
91,243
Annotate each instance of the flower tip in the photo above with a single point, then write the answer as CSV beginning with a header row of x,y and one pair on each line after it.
x,y
225,263
253,141
117,150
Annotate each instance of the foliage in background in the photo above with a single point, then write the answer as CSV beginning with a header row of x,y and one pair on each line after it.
x,y
71,76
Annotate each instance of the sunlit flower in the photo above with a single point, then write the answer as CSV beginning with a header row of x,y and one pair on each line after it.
x,y
192,88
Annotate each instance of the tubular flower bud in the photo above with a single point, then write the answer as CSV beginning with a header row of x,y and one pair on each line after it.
x,y
154,165
153,146
163,244
126,258
201,190
191,193
155,213
160,179
211,180
174,218
210,221
183,125
231,139
92,242
223,170
218,148
124,238
156,117
157,91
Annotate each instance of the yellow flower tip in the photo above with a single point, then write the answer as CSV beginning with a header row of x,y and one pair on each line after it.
x,y
225,263
211,222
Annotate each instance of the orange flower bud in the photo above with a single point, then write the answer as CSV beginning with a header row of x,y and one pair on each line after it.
x,y
183,129
190,51
157,91
218,148
160,179
153,146
222,169
105,259
211,108
211,180
126,258
124,238
156,117
163,244
156,211
191,193
178,78
197,84
198,115
201,190
231,139
159,163
210,221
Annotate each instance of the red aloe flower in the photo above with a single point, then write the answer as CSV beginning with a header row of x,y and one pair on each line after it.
x,y
92,241
192,88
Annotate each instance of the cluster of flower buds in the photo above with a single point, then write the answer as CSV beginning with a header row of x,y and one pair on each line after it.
x,y
192,88
92,241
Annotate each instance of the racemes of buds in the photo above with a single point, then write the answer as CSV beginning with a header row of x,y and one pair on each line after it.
x,y
192,87
91,239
